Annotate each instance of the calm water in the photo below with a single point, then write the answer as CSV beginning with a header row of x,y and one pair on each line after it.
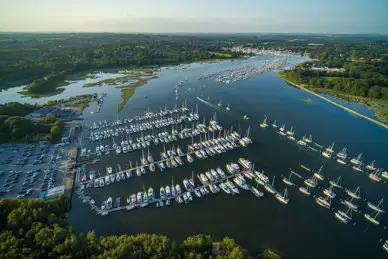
x,y
301,229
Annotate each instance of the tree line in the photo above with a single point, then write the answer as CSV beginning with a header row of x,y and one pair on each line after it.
x,y
15,127
33,228
44,60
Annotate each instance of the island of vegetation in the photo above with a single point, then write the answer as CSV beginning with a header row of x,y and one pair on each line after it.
x,y
32,228
127,83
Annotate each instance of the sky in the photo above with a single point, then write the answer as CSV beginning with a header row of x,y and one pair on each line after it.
x,y
208,16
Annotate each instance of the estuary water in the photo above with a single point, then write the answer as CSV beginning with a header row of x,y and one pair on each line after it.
x,y
301,229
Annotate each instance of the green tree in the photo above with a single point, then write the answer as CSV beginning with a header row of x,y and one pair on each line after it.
x,y
55,133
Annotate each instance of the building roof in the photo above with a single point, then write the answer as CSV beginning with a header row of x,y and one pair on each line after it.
x,y
45,110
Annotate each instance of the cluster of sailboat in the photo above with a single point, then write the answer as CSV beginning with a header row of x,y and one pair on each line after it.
x,y
170,158
329,193
140,126
244,72
356,163
148,115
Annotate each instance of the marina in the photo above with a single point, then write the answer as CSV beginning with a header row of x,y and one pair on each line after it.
x,y
271,151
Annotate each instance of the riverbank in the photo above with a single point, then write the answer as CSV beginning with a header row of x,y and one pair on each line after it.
x,y
312,91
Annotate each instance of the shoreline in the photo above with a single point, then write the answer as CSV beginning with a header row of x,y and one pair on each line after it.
x,y
382,124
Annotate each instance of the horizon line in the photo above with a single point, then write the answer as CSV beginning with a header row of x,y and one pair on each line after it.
x,y
291,33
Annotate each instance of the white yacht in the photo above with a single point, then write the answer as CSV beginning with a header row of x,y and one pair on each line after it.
x,y
189,158
240,181
225,188
245,163
233,168
151,193
167,191
162,193
232,187
274,124
256,192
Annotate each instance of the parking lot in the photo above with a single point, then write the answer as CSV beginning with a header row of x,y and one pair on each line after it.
x,y
26,170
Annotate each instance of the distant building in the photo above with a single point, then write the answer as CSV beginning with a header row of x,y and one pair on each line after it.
x,y
55,192
43,112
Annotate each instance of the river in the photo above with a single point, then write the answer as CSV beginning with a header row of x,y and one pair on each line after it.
x,y
301,229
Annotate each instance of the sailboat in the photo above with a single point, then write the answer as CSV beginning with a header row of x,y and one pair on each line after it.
x,y
341,156
329,192
377,207
319,174
264,123
324,202
143,159
302,142
354,193
372,218
375,176
311,182
305,190
343,216
371,166
228,108
274,124
270,187
329,151
283,198
308,139
288,180
149,157
336,183
356,160
358,167
349,203
256,192
281,130
219,104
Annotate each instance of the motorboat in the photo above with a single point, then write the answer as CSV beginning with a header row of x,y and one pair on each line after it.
x,y
162,193
232,187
